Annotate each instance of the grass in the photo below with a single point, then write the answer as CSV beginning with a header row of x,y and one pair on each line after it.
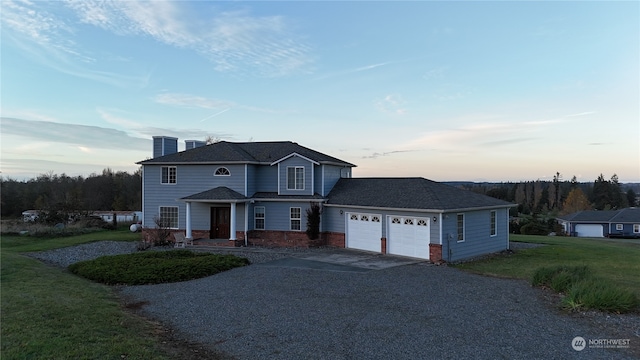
x,y
48,313
155,267
613,262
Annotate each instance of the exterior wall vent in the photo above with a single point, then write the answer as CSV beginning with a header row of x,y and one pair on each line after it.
x,y
164,145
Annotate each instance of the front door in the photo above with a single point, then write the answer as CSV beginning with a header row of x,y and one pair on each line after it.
x,y
220,222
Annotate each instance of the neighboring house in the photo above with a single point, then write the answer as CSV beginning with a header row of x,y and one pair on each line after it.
x,y
30,215
257,193
121,216
107,216
602,223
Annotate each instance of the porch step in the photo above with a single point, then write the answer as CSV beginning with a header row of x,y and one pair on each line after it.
x,y
214,242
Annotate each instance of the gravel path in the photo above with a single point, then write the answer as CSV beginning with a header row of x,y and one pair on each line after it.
x,y
407,312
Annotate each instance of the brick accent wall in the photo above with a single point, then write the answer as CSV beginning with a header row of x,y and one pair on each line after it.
x,y
435,253
274,238
333,239
383,245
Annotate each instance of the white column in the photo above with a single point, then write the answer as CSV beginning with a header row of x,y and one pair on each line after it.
x,y
188,235
232,226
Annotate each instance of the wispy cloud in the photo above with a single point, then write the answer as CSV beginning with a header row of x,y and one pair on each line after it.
x,y
233,41
77,135
36,28
196,101
376,155
391,104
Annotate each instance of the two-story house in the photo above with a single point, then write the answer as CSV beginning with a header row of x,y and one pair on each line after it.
x,y
258,193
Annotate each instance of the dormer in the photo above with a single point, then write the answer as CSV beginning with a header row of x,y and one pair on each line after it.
x,y
295,175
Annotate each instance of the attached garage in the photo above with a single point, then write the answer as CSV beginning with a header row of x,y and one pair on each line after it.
x,y
589,230
408,236
364,231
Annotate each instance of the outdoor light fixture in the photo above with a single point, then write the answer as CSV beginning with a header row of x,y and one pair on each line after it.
x,y
434,219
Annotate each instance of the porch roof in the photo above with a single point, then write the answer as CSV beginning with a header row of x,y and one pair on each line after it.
x,y
217,194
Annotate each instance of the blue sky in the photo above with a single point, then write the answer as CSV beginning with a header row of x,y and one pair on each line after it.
x,y
480,91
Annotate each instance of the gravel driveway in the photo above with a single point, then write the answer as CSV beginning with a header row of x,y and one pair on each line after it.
x,y
414,311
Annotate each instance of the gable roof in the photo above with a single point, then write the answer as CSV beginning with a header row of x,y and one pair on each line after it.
x,y
603,216
225,152
408,193
220,193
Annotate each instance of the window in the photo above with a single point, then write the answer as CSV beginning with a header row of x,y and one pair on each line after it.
x,y
375,218
494,224
395,221
460,227
619,227
169,216
295,178
353,217
222,171
169,175
636,228
295,218
258,215
408,221
364,218
422,222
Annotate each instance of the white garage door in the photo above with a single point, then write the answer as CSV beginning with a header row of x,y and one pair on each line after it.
x,y
408,236
364,231
589,230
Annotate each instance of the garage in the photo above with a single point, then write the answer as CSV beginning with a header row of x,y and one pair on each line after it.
x,y
364,231
408,236
589,230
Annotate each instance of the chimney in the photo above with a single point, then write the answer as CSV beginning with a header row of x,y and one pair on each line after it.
x,y
164,145
192,144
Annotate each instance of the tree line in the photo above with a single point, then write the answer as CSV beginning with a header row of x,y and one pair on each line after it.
x,y
561,197
63,194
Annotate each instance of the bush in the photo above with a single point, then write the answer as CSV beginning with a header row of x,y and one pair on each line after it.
x,y
155,267
584,291
600,294
534,228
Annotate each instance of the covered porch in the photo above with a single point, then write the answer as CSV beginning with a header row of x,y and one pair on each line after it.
x,y
220,206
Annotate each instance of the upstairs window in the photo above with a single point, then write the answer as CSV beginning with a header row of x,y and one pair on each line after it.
x,y
460,221
169,175
295,178
222,171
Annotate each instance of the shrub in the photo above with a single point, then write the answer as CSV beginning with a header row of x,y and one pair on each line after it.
x,y
313,220
155,267
600,294
583,290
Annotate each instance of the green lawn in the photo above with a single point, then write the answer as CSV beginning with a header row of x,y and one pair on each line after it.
x,y
614,261
48,313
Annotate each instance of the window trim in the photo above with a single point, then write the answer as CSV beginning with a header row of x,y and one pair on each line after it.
x,y
295,178
175,175
221,169
298,219
460,236
619,227
256,218
493,223
177,219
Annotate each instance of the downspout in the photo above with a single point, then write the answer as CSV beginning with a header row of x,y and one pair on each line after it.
x,y
246,224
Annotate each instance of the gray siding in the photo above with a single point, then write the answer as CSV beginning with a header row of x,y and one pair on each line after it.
x,y
331,176
308,170
477,237
191,179
277,215
265,179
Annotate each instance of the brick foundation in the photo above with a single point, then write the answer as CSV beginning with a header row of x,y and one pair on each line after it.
x,y
333,239
272,238
383,245
435,253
